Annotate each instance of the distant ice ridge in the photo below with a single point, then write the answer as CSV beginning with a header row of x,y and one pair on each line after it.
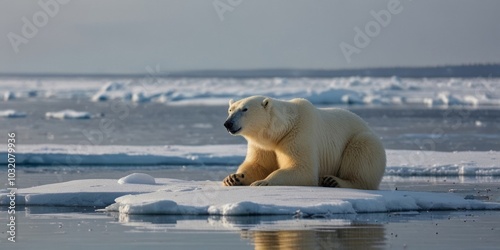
x,y
217,91
399,163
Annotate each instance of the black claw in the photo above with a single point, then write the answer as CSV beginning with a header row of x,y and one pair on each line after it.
x,y
233,180
329,182
334,183
228,181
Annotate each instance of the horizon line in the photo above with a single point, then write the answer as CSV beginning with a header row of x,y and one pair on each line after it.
x,y
285,72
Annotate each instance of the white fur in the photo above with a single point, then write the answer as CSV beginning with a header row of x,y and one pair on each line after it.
x,y
293,143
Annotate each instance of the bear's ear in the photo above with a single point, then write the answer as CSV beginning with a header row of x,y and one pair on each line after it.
x,y
231,101
266,102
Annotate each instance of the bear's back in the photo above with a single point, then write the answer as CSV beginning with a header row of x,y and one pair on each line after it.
x,y
337,120
343,117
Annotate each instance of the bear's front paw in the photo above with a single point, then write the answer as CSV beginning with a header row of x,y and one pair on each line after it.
x,y
234,180
329,181
260,183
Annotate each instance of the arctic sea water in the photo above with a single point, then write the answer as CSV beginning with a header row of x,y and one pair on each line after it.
x,y
179,121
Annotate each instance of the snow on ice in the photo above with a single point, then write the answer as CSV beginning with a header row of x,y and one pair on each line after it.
x,y
171,196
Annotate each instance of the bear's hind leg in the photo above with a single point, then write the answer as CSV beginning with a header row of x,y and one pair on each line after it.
x,y
363,163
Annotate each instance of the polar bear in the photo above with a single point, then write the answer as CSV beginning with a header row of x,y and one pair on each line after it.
x,y
293,143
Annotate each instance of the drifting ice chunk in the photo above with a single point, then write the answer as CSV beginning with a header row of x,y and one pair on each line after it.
x,y
10,113
68,114
8,96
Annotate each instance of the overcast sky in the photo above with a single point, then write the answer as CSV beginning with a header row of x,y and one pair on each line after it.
x,y
127,36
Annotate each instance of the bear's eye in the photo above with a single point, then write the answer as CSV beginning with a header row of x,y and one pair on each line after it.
x,y
244,110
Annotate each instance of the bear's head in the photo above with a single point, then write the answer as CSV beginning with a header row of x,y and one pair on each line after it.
x,y
258,118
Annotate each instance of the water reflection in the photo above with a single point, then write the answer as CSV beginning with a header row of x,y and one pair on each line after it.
x,y
358,237
343,231
349,231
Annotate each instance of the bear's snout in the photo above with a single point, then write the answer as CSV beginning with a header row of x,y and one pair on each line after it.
x,y
228,124
231,128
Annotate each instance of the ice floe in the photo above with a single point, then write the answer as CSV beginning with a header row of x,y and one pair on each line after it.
x,y
171,196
